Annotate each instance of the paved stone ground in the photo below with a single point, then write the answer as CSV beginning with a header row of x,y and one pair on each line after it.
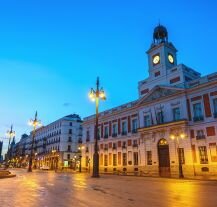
x,y
50,189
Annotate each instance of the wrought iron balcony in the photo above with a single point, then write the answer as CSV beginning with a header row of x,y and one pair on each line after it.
x,y
124,133
200,137
198,118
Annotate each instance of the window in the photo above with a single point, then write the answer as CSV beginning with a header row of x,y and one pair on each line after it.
x,y
181,155
124,145
134,126
88,136
203,155
106,132
114,130
98,133
135,144
197,109
69,139
124,155
147,121
124,128
213,152
70,131
160,117
70,123
69,148
200,134
176,114
68,156
105,160
114,160
149,158
101,159
215,107
86,161
135,158
110,158
119,158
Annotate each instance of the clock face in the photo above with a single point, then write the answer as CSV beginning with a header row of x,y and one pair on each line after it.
x,y
156,59
170,58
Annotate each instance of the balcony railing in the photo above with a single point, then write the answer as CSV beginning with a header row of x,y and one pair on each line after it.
x,y
198,118
135,145
200,137
87,139
124,133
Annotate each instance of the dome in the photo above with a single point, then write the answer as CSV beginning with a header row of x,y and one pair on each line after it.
x,y
160,33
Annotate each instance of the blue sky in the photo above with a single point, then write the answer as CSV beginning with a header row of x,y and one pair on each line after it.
x,y
52,51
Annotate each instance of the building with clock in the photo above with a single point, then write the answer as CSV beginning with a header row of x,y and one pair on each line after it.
x,y
170,130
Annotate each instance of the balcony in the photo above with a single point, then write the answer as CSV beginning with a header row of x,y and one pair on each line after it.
x,y
215,114
135,145
198,118
114,135
87,139
134,131
123,133
198,137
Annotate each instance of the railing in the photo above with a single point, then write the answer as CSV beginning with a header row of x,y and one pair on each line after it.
x,y
124,133
198,118
135,145
200,137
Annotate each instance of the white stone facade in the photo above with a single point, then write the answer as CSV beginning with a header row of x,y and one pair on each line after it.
x,y
173,121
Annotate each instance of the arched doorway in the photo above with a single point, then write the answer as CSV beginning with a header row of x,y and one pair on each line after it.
x,y
164,158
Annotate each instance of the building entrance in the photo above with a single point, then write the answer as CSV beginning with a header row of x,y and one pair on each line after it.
x,y
164,158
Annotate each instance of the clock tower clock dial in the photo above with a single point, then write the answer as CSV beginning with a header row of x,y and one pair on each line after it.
x,y
156,59
170,58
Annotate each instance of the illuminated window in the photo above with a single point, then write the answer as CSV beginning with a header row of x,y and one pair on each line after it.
x,y
135,158
213,152
124,155
105,160
114,160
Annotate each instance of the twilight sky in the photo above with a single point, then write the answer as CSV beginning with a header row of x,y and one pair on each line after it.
x,y
52,51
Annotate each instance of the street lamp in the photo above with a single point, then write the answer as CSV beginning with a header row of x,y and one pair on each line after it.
x,y
96,95
176,137
34,123
10,133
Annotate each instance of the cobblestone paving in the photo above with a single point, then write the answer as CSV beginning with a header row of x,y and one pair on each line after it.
x,y
50,189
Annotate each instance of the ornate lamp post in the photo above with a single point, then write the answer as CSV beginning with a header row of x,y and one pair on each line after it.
x,y
33,123
176,136
96,95
11,134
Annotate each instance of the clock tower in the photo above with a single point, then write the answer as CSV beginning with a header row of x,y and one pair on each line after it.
x,y
162,54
